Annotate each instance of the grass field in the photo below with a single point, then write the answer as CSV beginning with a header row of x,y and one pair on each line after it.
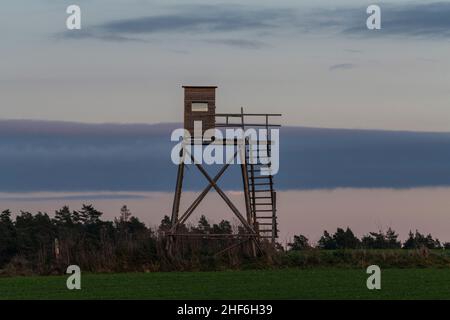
x,y
273,284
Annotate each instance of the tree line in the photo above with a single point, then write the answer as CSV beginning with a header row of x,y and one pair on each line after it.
x,y
37,243
346,239
40,244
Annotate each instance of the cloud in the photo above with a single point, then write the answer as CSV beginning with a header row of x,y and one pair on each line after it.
x,y
203,18
194,21
39,156
239,43
342,66
95,35
423,20
73,197
413,20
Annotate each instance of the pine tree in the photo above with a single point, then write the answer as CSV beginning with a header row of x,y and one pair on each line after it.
x,y
327,242
89,215
64,216
300,243
125,214
166,224
8,247
224,227
392,239
203,225
345,239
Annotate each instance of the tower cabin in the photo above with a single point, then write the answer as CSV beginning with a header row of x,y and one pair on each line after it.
x,y
199,105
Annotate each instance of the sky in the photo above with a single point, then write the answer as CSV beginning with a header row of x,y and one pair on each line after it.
x,y
314,61
101,93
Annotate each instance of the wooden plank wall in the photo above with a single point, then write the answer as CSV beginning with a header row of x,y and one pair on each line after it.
x,y
199,94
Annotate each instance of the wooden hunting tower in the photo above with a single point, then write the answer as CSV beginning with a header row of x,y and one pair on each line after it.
x,y
259,221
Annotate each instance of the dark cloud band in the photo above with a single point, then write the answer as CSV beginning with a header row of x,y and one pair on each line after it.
x,y
49,156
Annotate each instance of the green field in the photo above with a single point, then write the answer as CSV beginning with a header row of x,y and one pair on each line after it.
x,y
261,284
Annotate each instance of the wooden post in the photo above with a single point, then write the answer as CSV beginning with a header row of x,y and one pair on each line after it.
x,y
177,197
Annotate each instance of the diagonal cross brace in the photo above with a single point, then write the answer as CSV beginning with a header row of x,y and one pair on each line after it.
x,y
212,184
226,199
197,201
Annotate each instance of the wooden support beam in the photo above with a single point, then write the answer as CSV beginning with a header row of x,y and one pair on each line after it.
x,y
197,201
177,197
226,199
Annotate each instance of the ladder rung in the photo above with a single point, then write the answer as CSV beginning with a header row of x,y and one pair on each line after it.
x,y
257,154
265,224
263,217
255,173
257,149
264,210
258,162
261,184
260,166
263,204
260,197
261,190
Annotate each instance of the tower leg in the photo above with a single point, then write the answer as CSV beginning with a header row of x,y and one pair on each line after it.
x,y
177,197
251,243
175,209
248,209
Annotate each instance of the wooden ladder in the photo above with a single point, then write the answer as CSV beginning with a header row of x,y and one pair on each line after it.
x,y
262,194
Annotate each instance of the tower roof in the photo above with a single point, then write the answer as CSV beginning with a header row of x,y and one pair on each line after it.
x,y
206,87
